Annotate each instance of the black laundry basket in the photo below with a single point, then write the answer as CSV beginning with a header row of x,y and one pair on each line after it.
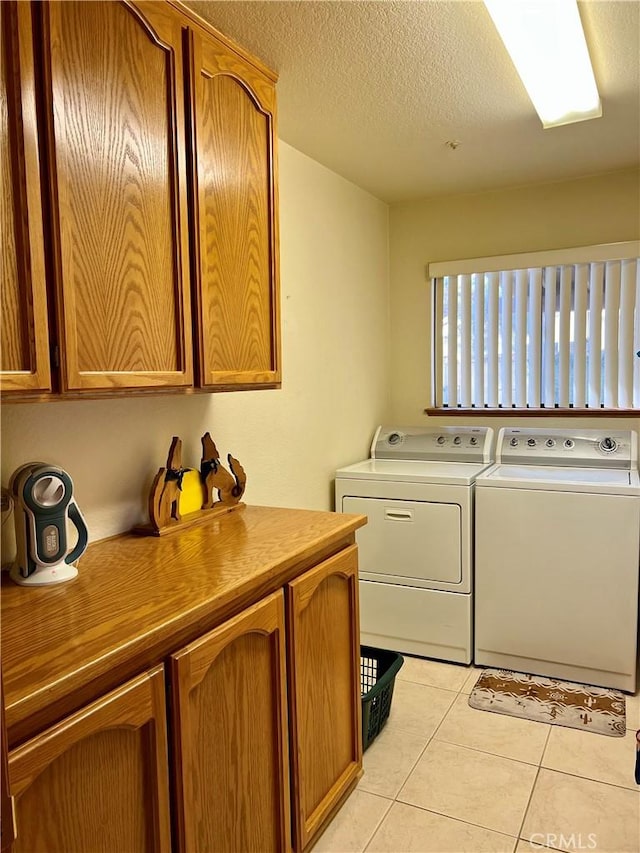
x,y
378,670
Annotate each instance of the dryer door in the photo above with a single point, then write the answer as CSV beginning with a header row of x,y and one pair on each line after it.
x,y
416,543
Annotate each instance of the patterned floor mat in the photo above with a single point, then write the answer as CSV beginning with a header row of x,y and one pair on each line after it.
x,y
547,700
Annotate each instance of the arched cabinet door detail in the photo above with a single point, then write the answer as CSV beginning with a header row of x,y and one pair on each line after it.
x,y
231,753
98,780
114,94
234,197
24,332
324,690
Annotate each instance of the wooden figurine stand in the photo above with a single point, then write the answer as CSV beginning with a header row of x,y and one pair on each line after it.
x,y
166,490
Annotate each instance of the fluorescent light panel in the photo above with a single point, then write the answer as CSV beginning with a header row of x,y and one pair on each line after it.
x,y
546,43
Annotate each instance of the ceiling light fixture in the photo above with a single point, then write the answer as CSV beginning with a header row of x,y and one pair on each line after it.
x,y
546,43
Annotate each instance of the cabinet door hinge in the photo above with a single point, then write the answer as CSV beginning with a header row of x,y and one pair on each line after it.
x,y
55,355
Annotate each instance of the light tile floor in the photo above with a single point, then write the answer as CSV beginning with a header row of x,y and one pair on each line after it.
x,y
445,778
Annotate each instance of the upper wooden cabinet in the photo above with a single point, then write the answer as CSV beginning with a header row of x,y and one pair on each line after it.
x,y
155,138
235,218
117,162
24,337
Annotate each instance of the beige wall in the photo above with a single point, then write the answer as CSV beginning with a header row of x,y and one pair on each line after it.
x,y
598,209
338,342
335,339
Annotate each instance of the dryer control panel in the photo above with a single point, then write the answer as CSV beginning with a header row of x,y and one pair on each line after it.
x,y
435,444
584,449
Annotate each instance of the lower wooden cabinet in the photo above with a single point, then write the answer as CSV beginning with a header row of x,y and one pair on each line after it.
x,y
97,780
265,736
229,699
7,818
230,735
324,690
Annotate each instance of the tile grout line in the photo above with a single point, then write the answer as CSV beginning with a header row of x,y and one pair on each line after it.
x,y
578,775
415,763
394,799
487,752
589,779
433,737
472,749
457,819
422,752
441,814
432,686
528,806
533,787
377,826
546,746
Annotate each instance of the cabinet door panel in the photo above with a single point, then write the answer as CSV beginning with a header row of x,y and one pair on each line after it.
x,y
235,204
324,690
232,767
24,342
7,820
98,780
116,102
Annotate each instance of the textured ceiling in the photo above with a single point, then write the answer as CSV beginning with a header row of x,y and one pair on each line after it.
x,y
374,90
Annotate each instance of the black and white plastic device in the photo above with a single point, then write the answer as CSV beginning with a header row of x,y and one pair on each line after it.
x,y
43,505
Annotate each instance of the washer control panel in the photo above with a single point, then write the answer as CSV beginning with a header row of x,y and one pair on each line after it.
x,y
584,449
444,444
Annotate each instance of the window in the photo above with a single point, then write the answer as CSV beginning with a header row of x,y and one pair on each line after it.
x,y
547,330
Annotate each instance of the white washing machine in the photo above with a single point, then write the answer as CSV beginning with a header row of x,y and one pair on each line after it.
x,y
416,552
557,556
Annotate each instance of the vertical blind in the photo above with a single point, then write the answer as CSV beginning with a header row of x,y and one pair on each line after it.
x,y
556,329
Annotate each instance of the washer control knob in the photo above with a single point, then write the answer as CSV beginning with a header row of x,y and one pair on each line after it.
x,y
473,441
440,440
514,442
550,442
531,442
457,440
569,443
608,444
394,438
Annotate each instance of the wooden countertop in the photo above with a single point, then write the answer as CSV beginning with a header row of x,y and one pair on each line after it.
x,y
136,599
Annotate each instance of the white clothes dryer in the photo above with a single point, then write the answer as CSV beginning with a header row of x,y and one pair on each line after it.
x,y
557,556
416,552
